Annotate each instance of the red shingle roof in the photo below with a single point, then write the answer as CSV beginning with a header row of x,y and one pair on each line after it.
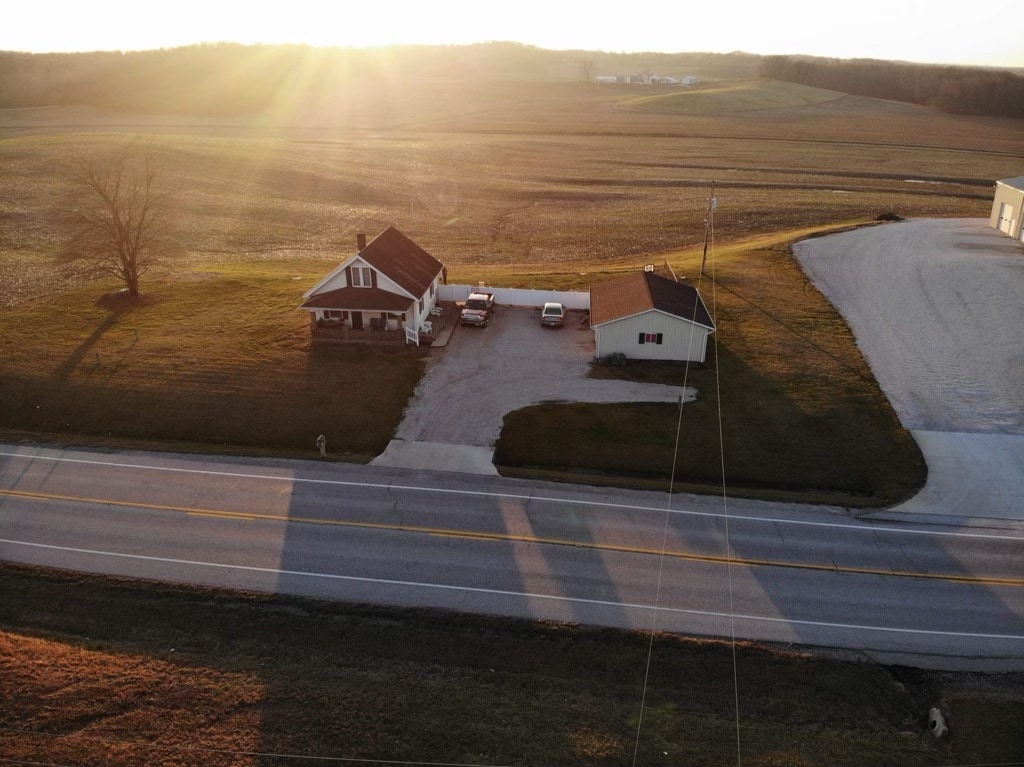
x,y
642,291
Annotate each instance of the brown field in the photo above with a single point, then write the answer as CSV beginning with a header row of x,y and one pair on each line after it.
x,y
539,184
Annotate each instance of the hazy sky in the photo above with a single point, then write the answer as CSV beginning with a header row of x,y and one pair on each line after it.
x,y
939,31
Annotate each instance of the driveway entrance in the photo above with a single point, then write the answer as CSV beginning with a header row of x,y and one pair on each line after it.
x,y
936,306
484,373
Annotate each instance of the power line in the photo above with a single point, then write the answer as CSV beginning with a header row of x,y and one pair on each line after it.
x,y
725,494
708,235
661,570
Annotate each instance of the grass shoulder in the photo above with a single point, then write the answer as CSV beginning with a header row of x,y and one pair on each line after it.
x,y
278,675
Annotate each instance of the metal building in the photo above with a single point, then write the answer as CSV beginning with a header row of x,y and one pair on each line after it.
x,y
1008,207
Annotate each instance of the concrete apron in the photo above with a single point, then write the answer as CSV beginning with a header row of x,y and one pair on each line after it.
x,y
437,456
970,475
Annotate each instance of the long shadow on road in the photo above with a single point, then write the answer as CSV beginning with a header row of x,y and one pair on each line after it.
x,y
419,541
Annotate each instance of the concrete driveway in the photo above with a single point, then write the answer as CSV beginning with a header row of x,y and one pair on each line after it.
x,y
455,415
937,307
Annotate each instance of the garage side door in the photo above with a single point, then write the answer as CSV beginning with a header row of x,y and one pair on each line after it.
x,y
1005,217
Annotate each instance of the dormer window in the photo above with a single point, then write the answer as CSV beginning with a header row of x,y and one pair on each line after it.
x,y
361,277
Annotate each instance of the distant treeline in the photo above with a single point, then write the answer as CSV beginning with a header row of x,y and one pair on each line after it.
x,y
221,79
957,90
218,79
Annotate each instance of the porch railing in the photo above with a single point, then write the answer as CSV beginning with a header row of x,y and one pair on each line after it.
x,y
341,335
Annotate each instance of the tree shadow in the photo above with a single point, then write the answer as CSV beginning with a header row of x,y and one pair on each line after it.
x,y
118,303
799,334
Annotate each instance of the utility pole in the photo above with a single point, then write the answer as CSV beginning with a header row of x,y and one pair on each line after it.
x,y
712,204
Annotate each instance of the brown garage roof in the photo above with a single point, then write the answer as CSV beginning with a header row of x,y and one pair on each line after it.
x,y
642,291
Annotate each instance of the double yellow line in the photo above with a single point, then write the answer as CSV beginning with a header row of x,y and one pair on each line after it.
x,y
512,538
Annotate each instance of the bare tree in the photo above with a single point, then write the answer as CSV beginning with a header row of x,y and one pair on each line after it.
x,y
587,70
116,220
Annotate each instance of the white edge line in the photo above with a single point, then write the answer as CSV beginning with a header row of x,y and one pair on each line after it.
x,y
500,592
864,528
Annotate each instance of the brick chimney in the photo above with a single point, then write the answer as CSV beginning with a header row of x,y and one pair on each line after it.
x,y
360,242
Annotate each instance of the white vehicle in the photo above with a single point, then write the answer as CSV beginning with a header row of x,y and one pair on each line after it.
x,y
552,315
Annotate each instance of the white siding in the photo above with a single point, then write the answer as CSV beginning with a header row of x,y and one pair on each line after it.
x,y
337,280
1008,211
386,283
333,281
681,340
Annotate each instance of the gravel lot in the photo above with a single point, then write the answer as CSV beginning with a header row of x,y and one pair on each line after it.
x,y
484,373
937,307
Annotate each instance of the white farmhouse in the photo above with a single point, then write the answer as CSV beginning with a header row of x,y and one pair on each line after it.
x,y
388,287
646,316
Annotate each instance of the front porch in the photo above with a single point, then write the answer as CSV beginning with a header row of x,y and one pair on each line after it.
x,y
336,332
340,331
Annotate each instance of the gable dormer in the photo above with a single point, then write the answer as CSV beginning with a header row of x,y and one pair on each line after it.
x,y
360,274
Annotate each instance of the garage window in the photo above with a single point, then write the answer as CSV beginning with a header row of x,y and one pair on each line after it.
x,y
650,338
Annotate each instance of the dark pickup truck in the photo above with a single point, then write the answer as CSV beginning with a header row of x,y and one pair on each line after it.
x,y
478,309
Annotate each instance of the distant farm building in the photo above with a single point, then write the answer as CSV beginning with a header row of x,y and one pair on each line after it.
x,y
1008,207
646,79
644,315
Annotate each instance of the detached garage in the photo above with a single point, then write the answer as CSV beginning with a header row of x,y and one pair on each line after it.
x,y
649,317
1007,207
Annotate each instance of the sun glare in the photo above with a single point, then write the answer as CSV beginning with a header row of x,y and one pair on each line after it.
x,y
913,31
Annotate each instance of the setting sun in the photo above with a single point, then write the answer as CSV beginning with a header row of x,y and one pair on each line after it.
x,y
938,32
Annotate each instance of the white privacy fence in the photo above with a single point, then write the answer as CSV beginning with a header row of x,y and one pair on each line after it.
x,y
570,299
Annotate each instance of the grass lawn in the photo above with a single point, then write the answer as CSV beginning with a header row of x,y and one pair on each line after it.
x,y
216,359
107,672
801,415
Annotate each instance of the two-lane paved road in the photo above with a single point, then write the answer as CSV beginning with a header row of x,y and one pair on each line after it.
x,y
939,596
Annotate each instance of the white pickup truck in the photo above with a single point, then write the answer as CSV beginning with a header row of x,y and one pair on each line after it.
x,y
477,310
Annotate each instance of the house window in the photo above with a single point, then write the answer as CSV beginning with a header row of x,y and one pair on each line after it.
x,y
650,338
361,277
431,290
421,306
336,314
